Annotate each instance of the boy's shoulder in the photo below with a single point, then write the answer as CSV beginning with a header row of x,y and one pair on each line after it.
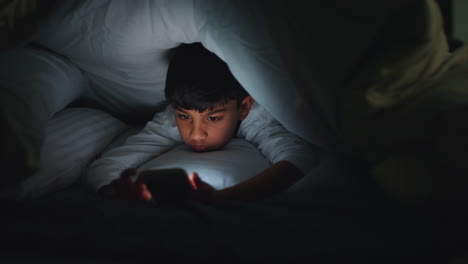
x,y
258,114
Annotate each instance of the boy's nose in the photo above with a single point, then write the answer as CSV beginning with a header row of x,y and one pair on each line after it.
x,y
198,132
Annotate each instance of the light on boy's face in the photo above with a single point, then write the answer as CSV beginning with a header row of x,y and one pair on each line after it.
x,y
210,129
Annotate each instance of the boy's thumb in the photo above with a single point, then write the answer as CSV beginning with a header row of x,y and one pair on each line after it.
x,y
194,180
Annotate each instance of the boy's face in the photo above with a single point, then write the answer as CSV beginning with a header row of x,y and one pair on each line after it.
x,y
212,128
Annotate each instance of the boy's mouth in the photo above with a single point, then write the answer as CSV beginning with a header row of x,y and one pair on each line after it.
x,y
199,148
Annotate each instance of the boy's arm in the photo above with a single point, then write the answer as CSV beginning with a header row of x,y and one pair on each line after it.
x,y
276,143
158,136
291,158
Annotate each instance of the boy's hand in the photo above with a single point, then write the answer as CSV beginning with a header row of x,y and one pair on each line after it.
x,y
125,188
201,190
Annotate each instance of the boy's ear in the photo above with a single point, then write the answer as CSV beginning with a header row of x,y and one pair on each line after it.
x,y
245,107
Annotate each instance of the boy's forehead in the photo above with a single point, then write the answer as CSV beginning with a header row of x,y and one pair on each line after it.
x,y
224,104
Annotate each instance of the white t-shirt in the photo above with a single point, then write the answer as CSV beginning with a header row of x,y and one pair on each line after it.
x,y
161,135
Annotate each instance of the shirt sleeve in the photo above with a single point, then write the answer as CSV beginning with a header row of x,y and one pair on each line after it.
x,y
275,142
158,136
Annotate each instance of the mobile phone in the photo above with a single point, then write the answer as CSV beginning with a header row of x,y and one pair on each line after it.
x,y
167,185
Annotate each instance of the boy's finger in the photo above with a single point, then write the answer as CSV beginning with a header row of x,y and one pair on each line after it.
x,y
146,195
143,191
194,180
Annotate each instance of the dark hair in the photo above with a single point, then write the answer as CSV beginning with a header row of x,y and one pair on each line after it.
x,y
197,79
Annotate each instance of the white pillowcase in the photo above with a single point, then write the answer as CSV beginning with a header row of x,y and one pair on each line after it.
x,y
236,162
73,138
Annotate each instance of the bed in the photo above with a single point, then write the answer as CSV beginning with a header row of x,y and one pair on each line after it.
x,y
84,83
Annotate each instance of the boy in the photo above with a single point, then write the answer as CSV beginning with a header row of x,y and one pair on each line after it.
x,y
208,108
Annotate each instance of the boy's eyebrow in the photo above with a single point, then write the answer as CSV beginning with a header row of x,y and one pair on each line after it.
x,y
209,113
180,109
217,111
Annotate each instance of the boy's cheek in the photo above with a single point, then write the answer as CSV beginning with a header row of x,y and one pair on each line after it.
x,y
183,133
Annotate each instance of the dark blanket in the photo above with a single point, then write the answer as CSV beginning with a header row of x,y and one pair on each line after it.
x,y
342,218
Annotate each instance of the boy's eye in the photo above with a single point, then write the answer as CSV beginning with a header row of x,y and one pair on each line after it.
x,y
214,118
184,116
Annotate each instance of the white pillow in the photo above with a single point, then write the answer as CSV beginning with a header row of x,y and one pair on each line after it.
x,y
34,85
73,138
236,162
